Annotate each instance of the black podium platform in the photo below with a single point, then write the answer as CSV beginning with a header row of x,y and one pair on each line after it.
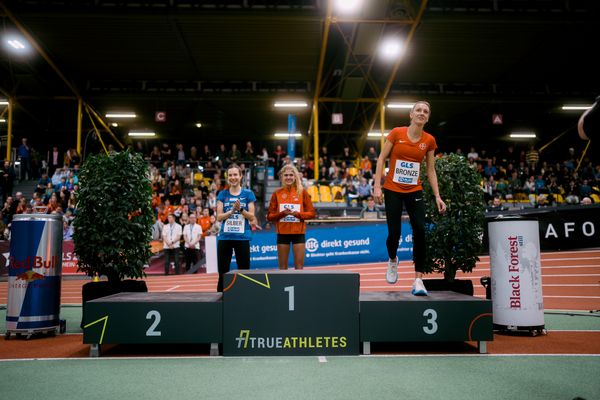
x,y
166,318
441,316
273,312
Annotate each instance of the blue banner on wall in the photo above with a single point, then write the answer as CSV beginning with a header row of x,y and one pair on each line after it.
x,y
330,245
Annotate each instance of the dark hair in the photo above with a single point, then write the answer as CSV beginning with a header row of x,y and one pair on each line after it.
x,y
235,166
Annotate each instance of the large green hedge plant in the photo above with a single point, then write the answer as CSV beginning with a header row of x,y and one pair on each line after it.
x,y
114,216
454,239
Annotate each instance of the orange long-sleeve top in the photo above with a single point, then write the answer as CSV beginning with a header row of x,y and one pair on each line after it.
x,y
288,198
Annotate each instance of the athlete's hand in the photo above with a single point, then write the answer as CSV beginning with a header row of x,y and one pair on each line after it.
x,y
377,195
441,206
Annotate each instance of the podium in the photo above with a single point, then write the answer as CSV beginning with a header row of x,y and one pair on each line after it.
x,y
283,313
275,312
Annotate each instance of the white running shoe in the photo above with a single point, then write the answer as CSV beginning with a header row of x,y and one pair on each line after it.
x,y
418,288
391,276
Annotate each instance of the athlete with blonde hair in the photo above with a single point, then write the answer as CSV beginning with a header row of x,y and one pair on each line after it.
x,y
289,208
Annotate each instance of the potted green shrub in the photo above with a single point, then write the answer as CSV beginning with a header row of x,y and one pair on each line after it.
x,y
454,239
113,222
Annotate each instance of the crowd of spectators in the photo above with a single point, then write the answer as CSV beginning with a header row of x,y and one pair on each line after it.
x,y
187,180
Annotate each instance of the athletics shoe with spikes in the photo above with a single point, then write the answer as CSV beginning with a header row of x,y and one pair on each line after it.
x,y
391,276
418,288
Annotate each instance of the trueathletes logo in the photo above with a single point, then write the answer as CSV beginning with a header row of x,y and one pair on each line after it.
x,y
312,245
245,341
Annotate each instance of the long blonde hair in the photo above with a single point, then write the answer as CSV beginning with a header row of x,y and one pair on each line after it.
x,y
292,168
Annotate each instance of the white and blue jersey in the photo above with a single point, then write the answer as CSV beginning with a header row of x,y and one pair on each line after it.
x,y
236,227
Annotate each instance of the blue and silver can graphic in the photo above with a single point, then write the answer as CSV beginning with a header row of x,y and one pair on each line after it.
x,y
34,273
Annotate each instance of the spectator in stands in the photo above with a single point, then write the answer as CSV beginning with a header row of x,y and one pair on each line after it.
x,y
73,158
7,210
205,220
181,159
43,184
289,208
490,169
366,167
496,205
473,155
325,159
8,178
67,230
234,155
56,160
157,228
264,155
347,156
171,235
215,227
372,155
206,154
166,153
278,156
407,147
192,234
24,154
235,209
371,209
351,194
249,152
586,201
364,190
532,157
542,201
585,189
156,157
221,154
588,125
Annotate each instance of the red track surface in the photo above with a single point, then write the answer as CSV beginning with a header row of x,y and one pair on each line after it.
x,y
571,280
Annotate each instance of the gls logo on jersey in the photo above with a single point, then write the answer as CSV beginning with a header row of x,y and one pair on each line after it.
x,y
406,164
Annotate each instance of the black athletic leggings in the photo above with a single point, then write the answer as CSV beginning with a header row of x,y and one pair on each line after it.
x,y
225,252
416,212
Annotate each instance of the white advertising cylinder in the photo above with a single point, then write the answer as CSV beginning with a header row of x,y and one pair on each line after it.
x,y
516,273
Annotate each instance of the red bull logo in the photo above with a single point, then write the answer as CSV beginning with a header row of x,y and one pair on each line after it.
x,y
30,276
35,262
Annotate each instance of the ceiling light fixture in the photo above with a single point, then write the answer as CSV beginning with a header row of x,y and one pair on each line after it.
x,y
523,135
290,104
575,107
4,102
142,133
16,44
198,125
391,48
114,124
377,134
120,115
406,106
2,120
287,135
348,7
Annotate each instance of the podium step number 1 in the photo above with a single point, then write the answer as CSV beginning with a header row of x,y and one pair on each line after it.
x,y
291,313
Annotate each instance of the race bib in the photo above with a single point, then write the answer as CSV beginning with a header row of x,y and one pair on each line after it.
x,y
407,172
293,207
235,224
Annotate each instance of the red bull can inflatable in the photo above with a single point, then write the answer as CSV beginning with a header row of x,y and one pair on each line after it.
x,y
34,274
